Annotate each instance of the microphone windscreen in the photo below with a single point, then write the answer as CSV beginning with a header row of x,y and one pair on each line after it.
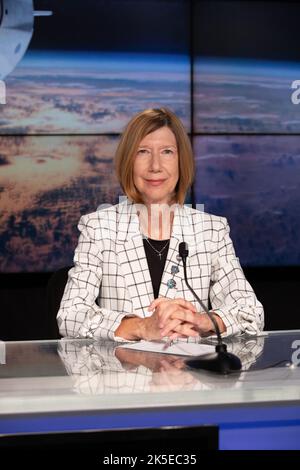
x,y
183,250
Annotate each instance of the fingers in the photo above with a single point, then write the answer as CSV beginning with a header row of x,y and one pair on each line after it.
x,y
185,304
175,329
164,308
175,336
186,329
180,314
170,326
169,315
156,302
179,301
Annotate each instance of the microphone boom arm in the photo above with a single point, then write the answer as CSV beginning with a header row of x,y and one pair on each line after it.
x,y
210,315
221,361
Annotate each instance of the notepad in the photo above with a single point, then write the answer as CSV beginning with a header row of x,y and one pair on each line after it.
x,y
179,348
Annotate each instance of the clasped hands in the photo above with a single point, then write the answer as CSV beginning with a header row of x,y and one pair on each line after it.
x,y
172,318
175,318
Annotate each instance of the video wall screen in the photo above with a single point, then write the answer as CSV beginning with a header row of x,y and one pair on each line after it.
x,y
247,57
91,65
254,182
46,184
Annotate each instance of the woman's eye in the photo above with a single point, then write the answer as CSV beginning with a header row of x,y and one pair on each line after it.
x,y
142,151
168,151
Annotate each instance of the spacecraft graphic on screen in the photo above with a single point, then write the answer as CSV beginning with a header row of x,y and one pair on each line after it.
x,y
16,29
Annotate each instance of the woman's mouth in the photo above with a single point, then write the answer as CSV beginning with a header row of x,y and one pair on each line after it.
x,y
155,182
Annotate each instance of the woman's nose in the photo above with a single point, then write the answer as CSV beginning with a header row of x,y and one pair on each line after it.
x,y
155,162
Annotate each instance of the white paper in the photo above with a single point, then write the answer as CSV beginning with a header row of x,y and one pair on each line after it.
x,y
180,348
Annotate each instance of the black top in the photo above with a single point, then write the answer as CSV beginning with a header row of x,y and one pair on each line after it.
x,y
156,263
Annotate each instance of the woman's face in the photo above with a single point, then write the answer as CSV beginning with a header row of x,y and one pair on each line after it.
x,y
155,170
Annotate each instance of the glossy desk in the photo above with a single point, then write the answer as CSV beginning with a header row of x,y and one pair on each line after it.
x,y
78,385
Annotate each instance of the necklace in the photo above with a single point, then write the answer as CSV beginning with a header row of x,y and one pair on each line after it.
x,y
159,253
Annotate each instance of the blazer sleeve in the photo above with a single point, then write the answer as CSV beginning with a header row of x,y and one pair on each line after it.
x,y
79,316
231,295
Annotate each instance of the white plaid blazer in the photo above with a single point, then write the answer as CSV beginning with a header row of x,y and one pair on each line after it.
x,y
110,278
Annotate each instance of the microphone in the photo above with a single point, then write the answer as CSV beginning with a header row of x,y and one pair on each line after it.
x,y
221,361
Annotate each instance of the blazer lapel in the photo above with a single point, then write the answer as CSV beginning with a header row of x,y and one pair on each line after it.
x,y
132,257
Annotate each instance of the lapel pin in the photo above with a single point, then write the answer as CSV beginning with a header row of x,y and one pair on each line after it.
x,y
171,283
174,269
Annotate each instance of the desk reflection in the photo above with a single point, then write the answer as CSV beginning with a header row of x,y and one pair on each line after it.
x,y
107,367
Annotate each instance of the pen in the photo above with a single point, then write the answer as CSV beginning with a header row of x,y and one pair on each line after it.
x,y
167,344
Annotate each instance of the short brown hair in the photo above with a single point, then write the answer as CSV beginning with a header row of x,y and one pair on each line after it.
x,y
138,127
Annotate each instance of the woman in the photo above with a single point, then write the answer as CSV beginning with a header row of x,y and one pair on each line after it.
x,y
127,255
